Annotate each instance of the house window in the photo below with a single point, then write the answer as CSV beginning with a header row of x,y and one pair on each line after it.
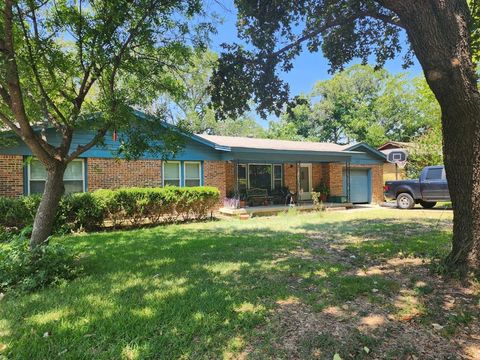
x,y
277,176
73,179
242,177
260,176
171,173
192,173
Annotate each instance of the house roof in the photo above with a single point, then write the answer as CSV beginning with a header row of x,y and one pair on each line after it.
x,y
395,145
271,144
365,147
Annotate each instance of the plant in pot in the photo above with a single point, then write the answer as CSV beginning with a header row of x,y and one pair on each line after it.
x,y
323,190
242,199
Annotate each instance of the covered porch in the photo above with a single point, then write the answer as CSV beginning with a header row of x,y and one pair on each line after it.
x,y
266,186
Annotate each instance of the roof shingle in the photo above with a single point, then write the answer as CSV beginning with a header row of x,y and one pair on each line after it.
x,y
271,144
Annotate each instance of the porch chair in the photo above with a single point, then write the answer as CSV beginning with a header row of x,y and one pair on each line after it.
x,y
258,196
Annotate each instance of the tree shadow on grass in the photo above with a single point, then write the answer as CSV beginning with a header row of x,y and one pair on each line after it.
x,y
185,292
158,293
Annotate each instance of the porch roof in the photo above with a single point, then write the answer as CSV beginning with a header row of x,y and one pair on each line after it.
x,y
234,142
269,150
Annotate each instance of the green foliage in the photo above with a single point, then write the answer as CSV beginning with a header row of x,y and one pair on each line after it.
x,y
170,203
27,270
474,6
79,212
88,211
344,30
111,60
361,104
191,110
426,151
323,189
14,213
317,201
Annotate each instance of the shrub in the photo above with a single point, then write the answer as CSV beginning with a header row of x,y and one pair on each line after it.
x,y
27,270
79,212
157,204
88,211
14,213
317,201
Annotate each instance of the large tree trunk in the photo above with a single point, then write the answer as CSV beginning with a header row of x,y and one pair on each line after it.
x,y
45,216
439,33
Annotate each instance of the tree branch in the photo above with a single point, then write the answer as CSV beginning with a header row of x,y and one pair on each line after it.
x,y
10,124
330,24
82,148
44,151
34,66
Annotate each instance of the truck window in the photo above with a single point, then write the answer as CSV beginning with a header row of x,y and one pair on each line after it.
x,y
434,174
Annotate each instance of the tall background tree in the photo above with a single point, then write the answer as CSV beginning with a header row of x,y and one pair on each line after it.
x,y
72,65
362,104
442,34
191,110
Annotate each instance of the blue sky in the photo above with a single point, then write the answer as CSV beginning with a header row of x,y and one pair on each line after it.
x,y
308,67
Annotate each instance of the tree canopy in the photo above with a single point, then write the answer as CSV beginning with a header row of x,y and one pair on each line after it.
x,y
71,65
362,104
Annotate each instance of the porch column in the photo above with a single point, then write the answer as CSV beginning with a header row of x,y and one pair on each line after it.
x,y
347,180
235,174
297,172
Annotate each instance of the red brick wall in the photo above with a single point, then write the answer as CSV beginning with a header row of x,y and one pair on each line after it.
x,y
317,174
229,177
11,175
114,173
219,174
290,176
334,176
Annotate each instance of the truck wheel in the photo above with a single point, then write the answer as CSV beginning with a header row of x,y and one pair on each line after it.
x,y
405,201
427,204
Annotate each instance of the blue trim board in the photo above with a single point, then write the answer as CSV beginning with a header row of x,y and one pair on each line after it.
x,y
182,173
368,148
370,184
85,172
25,176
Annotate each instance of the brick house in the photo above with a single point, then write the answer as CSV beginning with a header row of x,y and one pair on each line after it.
x,y
231,164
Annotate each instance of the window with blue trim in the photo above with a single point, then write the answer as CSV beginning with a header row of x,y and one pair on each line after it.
x,y
182,173
192,173
73,178
171,173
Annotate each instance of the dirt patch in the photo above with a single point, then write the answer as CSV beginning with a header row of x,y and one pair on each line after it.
x,y
426,317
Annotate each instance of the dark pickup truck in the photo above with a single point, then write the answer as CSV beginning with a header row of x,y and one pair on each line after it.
x,y
427,190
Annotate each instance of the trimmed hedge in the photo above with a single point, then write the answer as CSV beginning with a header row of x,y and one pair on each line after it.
x,y
125,206
156,205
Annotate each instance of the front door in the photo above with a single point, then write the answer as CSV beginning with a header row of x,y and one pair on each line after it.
x,y
305,181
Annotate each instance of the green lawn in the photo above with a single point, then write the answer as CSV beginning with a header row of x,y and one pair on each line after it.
x,y
216,289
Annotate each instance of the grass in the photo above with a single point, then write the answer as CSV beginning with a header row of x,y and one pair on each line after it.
x,y
202,290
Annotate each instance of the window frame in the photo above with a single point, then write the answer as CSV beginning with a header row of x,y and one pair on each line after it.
x,y
179,172
29,175
260,164
242,181
275,178
199,164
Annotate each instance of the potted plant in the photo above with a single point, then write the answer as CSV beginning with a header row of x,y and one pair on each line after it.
x,y
323,190
242,200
